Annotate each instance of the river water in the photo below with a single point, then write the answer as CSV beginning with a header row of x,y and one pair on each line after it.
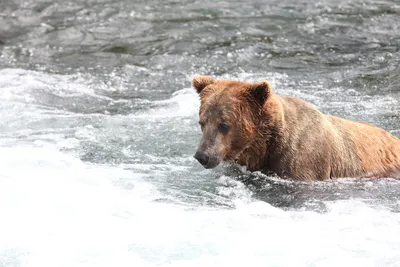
x,y
98,127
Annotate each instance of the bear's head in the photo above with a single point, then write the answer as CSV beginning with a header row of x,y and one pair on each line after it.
x,y
231,117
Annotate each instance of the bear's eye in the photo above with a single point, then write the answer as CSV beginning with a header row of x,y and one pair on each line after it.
x,y
223,128
201,124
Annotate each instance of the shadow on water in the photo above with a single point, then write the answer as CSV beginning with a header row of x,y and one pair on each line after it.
x,y
305,195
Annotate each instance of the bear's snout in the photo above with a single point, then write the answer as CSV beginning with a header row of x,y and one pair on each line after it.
x,y
202,158
206,161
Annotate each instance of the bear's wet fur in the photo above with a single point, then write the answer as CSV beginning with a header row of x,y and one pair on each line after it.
x,y
247,123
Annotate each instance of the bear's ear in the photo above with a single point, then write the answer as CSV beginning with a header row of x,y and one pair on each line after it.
x,y
260,91
200,82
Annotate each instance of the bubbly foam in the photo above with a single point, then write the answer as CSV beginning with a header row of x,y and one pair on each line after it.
x,y
58,210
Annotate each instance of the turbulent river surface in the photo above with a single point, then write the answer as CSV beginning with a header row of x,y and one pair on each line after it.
x,y
99,124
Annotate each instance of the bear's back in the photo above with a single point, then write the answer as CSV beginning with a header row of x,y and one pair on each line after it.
x,y
326,146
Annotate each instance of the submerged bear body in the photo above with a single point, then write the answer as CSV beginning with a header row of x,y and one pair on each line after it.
x,y
248,124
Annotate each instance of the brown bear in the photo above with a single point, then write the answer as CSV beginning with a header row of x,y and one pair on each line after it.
x,y
246,123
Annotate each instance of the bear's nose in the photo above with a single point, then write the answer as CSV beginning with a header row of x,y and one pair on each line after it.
x,y
202,158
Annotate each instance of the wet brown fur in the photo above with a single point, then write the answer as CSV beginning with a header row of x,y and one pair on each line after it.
x,y
289,136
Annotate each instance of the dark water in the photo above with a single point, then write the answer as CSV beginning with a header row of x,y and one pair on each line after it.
x,y
98,125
